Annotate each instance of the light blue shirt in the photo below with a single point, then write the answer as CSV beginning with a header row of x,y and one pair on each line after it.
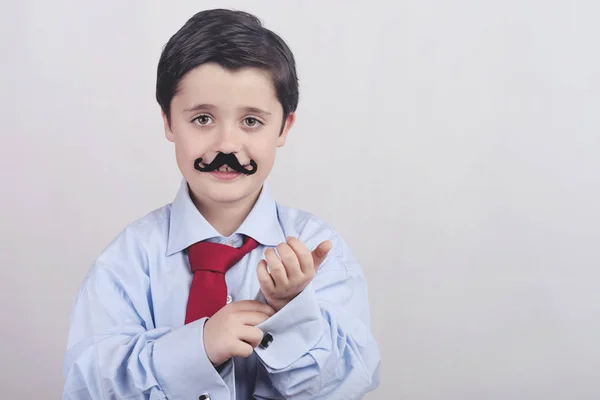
x,y
128,340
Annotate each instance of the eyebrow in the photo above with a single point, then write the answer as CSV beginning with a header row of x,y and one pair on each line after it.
x,y
199,107
210,107
255,110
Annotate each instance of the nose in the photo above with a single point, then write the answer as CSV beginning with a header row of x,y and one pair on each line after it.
x,y
227,140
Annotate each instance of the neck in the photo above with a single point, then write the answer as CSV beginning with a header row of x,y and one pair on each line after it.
x,y
226,218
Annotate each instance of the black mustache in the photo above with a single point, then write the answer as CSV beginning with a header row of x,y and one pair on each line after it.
x,y
226,159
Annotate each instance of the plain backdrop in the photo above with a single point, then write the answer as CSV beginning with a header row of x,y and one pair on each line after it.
x,y
454,144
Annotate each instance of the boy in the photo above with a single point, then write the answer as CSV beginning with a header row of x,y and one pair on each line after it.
x,y
217,295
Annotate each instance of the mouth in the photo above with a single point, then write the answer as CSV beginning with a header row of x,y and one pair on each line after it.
x,y
225,173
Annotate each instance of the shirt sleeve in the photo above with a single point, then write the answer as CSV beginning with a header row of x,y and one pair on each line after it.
x,y
321,341
114,350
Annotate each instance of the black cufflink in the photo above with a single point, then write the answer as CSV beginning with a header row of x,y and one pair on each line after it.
x,y
266,341
204,396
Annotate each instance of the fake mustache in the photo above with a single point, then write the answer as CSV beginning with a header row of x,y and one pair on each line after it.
x,y
225,159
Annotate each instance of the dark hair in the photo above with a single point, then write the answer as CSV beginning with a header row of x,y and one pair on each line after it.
x,y
233,40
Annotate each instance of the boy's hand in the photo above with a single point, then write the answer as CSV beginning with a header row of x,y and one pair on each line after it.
x,y
289,275
232,330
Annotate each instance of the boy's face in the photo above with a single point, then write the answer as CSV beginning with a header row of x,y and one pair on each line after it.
x,y
215,111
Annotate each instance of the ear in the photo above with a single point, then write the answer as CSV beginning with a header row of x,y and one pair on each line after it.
x,y
289,122
168,132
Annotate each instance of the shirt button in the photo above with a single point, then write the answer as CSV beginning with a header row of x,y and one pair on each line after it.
x,y
229,299
204,396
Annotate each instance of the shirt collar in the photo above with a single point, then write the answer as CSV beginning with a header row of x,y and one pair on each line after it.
x,y
188,226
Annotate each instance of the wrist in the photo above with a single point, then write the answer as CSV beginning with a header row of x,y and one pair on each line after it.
x,y
208,346
219,367
278,304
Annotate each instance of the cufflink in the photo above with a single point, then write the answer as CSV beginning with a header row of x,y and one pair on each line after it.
x,y
266,340
204,396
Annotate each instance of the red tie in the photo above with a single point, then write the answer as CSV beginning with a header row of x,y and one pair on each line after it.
x,y
209,262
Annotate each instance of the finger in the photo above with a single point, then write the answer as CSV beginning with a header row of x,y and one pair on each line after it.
x,y
252,318
251,335
276,268
242,349
320,253
290,262
303,253
267,285
252,305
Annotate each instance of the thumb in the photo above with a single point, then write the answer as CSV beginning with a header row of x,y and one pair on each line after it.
x,y
320,253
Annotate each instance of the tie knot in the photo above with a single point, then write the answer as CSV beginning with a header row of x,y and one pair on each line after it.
x,y
216,257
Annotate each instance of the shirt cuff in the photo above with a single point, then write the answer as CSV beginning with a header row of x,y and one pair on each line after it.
x,y
182,367
295,330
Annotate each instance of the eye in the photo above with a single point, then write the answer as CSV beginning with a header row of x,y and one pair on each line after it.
x,y
252,122
202,120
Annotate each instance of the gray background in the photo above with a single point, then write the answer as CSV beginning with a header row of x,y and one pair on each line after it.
x,y
454,144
